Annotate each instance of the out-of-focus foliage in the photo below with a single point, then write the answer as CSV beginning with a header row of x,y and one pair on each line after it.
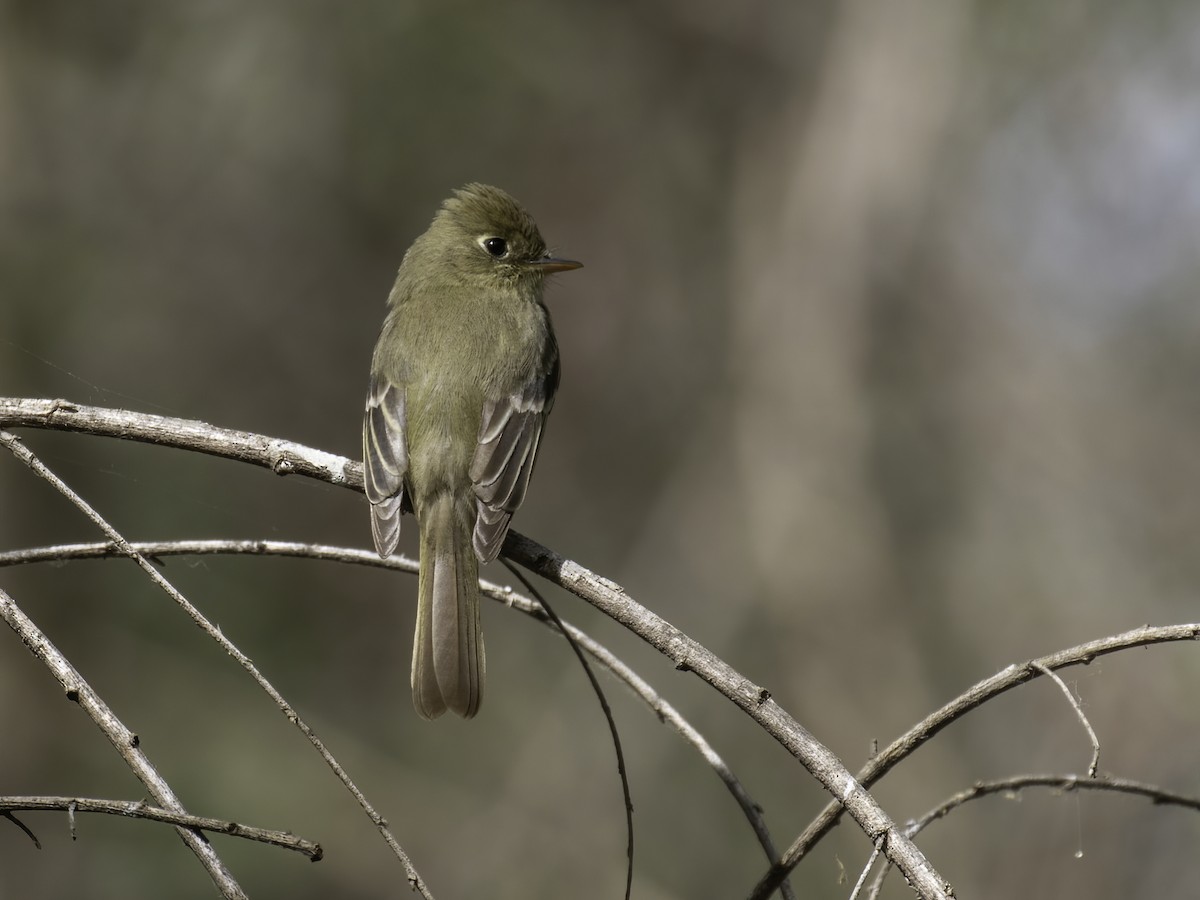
x,y
882,374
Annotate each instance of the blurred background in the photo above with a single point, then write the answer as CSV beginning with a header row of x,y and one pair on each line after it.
x,y
882,375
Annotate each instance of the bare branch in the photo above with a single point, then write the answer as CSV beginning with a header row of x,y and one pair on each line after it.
x,y
124,740
1105,783
139,810
217,547
1016,783
755,701
1005,680
687,654
663,710
26,456
280,456
667,714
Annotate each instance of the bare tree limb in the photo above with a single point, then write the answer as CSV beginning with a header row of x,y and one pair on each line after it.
x,y
123,740
1005,680
662,709
687,654
282,457
1066,783
26,456
139,810
210,547
755,701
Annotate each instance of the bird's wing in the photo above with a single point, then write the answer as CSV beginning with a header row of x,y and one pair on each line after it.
x,y
509,433
385,459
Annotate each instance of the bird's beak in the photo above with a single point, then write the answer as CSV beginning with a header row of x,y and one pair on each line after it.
x,y
550,264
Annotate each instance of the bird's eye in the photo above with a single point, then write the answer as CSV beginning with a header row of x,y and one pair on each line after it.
x,y
495,246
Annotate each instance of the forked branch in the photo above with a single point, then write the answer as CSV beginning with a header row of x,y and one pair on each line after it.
x,y
285,457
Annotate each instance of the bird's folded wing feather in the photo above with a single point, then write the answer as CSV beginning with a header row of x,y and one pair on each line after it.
x,y
509,433
385,460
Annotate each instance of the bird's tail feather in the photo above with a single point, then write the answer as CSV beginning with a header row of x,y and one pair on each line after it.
x,y
448,658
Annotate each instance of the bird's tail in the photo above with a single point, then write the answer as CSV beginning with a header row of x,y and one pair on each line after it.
x,y
448,659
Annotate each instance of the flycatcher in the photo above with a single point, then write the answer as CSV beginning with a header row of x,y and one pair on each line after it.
x,y
462,380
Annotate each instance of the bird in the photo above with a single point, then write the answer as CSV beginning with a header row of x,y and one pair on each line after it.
x,y
463,378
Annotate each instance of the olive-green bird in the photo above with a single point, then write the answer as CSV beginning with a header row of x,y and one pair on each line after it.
x,y
462,380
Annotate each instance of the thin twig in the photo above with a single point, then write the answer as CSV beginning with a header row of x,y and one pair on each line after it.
x,y
665,713
124,740
1103,783
642,689
1094,765
139,810
1005,680
687,654
1066,783
862,878
612,723
25,455
23,827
